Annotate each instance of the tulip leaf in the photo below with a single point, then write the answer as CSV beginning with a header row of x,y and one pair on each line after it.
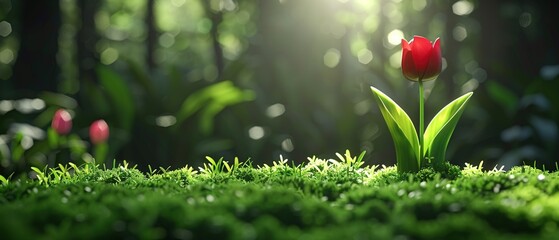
x,y
438,133
402,130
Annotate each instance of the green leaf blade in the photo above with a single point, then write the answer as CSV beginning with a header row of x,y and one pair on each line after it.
x,y
440,129
210,101
402,130
120,95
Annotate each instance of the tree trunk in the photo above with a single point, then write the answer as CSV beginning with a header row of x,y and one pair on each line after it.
x,y
216,17
87,38
151,34
36,68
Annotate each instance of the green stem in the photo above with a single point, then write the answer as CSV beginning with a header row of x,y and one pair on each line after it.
x,y
100,152
421,110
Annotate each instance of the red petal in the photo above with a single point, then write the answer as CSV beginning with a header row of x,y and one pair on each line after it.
x,y
435,62
406,45
408,66
421,48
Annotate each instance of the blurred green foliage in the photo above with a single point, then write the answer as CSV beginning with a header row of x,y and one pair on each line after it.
x,y
262,78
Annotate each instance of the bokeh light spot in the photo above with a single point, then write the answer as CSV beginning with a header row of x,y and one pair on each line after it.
x,y
6,56
332,58
275,110
459,33
419,5
365,56
109,56
26,142
165,121
166,40
256,132
287,145
232,46
462,8
38,104
5,28
204,25
395,37
361,108
6,106
25,105
220,5
525,19
470,85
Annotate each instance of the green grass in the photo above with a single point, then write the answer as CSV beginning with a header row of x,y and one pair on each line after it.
x,y
321,199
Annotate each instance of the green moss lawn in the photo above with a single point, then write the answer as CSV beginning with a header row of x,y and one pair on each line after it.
x,y
320,199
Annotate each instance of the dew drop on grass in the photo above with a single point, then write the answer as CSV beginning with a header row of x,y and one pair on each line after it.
x,y
453,190
497,188
455,207
423,184
239,194
67,193
412,194
64,200
541,177
511,177
401,192
210,198
87,189
536,210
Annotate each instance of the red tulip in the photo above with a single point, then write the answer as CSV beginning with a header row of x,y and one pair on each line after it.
x,y
421,59
99,131
61,122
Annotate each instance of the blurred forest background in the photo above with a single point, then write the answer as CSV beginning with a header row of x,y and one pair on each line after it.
x,y
178,80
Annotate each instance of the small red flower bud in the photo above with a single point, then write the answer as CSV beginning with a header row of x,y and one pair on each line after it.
x,y
421,60
61,122
99,131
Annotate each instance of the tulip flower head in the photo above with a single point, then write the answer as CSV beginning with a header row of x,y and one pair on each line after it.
x,y
99,131
421,59
61,122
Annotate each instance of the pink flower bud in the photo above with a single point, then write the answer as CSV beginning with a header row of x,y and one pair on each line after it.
x,y
61,122
99,131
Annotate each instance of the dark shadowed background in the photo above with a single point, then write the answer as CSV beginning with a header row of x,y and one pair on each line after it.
x,y
178,80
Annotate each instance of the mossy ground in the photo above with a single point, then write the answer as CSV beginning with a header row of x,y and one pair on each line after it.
x,y
317,200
